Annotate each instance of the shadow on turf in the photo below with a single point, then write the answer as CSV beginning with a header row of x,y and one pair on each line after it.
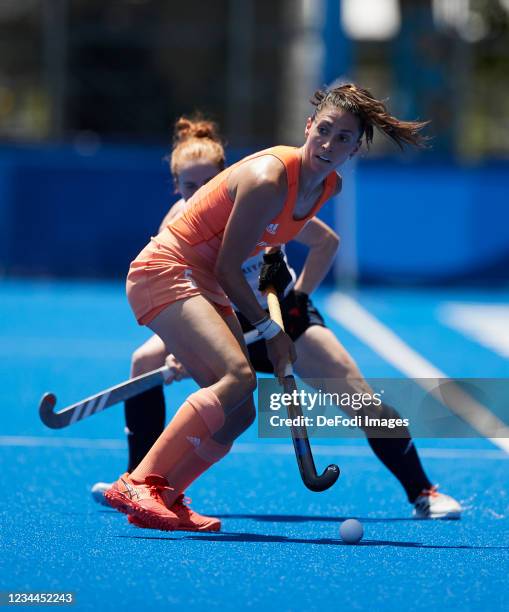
x,y
256,537
293,518
296,518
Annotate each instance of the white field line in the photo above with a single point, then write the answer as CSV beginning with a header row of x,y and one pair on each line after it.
x,y
487,324
246,448
358,321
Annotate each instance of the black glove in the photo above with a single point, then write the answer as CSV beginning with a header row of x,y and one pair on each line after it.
x,y
274,273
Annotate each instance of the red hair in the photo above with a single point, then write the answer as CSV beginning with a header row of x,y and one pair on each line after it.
x,y
196,138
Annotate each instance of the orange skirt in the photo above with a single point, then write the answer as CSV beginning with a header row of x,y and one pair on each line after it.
x,y
162,275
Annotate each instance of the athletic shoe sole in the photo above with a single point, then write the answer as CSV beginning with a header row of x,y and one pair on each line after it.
x,y
118,501
447,516
137,522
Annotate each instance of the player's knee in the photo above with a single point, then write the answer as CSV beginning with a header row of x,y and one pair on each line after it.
x,y
251,381
244,379
143,361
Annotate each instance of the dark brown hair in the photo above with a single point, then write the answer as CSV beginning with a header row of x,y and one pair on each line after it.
x,y
371,113
196,138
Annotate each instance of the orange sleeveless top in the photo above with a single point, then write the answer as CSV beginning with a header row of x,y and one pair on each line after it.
x,y
202,225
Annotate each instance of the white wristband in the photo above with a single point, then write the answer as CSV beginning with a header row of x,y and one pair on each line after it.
x,y
268,329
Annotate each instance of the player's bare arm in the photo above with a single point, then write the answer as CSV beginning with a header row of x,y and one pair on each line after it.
x,y
258,190
323,244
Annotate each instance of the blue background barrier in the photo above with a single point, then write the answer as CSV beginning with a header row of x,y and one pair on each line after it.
x,y
63,213
432,222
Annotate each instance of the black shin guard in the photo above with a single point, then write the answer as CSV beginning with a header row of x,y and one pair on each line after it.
x,y
145,416
399,455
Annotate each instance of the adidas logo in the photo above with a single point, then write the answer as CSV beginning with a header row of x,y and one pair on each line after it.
x,y
194,441
272,228
262,244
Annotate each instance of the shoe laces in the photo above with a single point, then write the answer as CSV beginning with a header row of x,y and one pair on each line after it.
x,y
156,491
155,488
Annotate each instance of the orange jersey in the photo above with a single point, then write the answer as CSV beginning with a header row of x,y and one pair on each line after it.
x,y
202,224
179,262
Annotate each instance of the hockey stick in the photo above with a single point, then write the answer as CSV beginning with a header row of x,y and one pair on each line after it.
x,y
98,402
300,439
104,399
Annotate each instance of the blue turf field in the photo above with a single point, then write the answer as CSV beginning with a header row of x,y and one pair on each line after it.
x,y
280,546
